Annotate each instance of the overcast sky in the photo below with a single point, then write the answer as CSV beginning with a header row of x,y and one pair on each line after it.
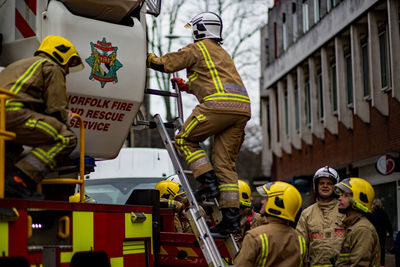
x,y
250,74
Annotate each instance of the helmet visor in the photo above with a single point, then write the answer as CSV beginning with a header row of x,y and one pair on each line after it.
x,y
340,188
261,190
75,64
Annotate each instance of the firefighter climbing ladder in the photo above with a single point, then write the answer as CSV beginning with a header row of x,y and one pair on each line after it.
x,y
198,222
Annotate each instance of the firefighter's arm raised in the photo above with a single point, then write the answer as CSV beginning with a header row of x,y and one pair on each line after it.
x,y
174,61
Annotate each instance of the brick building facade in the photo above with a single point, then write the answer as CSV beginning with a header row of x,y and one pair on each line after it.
x,y
330,92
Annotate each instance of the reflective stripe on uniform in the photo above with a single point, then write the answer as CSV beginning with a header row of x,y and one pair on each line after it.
x,y
171,203
43,156
193,77
344,256
264,250
228,187
62,142
195,155
219,96
211,67
14,106
187,130
24,77
302,244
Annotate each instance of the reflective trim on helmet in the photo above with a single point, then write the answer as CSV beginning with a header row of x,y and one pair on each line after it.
x,y
245,203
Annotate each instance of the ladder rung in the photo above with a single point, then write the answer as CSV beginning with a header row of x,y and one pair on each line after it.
x,y
208,203
160,92
169,125
187,172
218,236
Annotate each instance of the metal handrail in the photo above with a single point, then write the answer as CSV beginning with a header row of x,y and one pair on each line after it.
x,y
81,180
4,135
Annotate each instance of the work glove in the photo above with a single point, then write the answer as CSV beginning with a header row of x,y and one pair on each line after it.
x,y
148,59
182,85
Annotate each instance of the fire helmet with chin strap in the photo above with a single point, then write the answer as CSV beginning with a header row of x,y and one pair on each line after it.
x,y
363,193
283,200
325,172
62,51
206,25
244,194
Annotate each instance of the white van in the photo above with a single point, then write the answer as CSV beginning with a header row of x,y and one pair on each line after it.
x,y
113,181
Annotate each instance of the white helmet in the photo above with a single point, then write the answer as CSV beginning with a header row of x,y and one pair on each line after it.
x,y
174,178
206,25
326,172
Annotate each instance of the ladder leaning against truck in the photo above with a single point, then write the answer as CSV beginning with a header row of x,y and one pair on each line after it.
x,y
105,98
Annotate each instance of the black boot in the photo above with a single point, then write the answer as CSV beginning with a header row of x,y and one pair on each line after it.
x,y
208,188
19,185
230,223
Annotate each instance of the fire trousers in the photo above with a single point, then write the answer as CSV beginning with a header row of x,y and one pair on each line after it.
x,y
228,132
49,138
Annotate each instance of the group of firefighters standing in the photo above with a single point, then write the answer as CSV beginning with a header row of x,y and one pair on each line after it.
x,y
331,232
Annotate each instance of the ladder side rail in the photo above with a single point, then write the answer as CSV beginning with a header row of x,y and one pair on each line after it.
x,y
4,136
204,236
178,100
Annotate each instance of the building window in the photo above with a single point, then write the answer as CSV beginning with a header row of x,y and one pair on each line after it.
x,y
329,5
320,97
317,12
308,103
365,72
269,122
294,19
286,113
333,89
275,41
284,32
306,25
296,106
349,80
384,58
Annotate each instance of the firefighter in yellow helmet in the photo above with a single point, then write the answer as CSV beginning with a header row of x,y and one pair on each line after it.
x,y
361,243
171,195
249,218
274,243
39,113
321,223
223,112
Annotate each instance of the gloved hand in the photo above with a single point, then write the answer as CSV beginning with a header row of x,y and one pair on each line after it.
x,y
182,85
70,117
148,59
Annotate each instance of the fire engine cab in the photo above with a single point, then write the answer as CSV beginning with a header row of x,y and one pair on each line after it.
x,y
111,39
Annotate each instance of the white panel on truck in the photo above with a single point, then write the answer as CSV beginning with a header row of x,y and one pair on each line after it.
x,y
110,89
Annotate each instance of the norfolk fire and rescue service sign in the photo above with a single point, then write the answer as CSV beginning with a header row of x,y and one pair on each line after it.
x,y
104,63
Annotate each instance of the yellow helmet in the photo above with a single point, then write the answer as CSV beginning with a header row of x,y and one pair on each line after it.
x,y
283,200
62,51
244,194
363,193
169,189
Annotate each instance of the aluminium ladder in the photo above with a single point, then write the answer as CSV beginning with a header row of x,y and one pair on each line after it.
x,y
197,221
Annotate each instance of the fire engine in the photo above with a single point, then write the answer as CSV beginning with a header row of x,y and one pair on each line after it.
x,y
111,39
